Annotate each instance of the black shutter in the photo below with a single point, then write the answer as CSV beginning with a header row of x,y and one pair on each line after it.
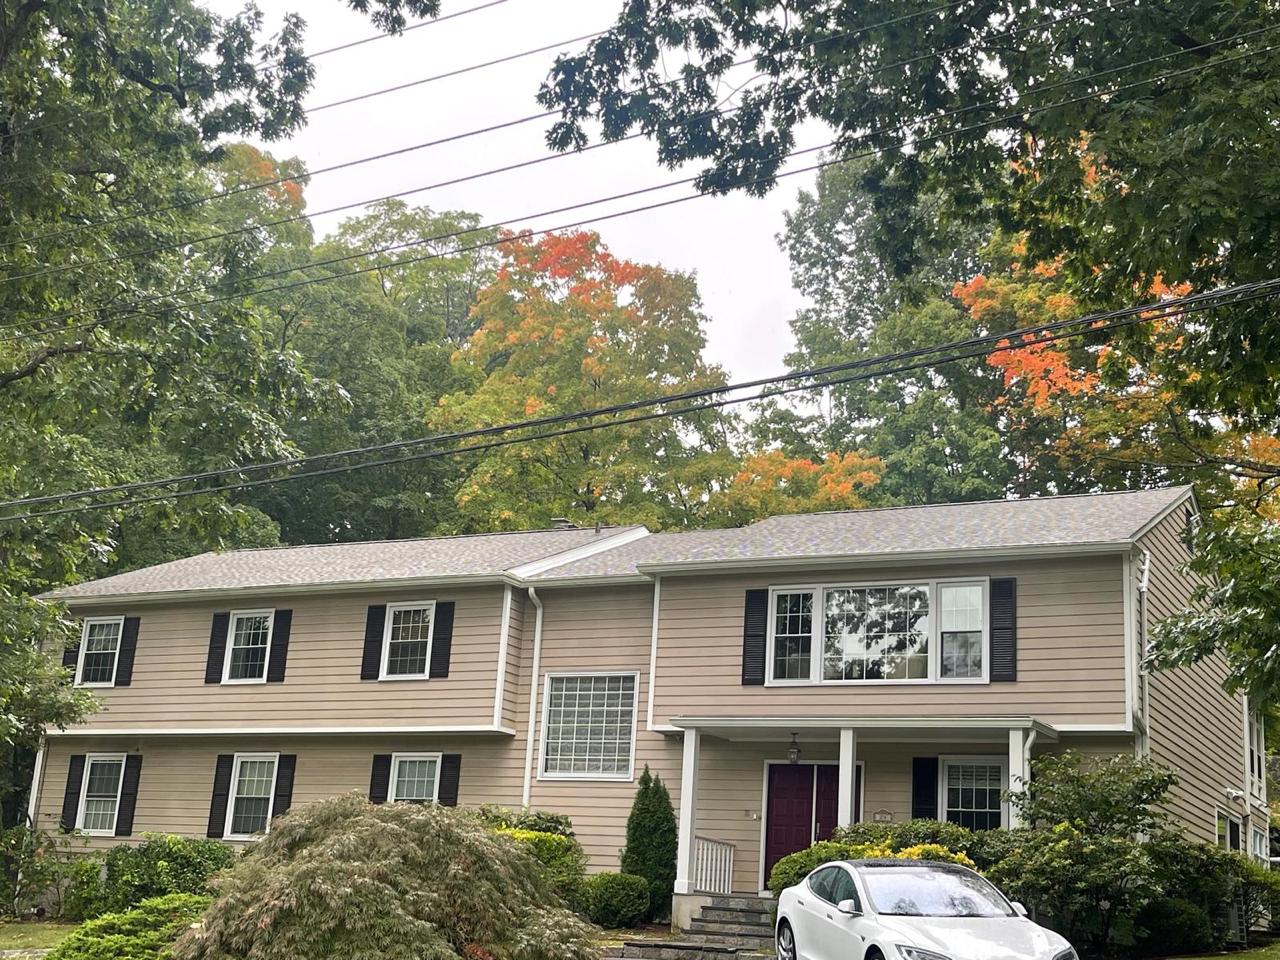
x,y
279,655
380,778
441,640
371,662
71,799
221,793
924,788
128,648
755,620
128,794
217,649
450,769
1004,630
71,656
285,767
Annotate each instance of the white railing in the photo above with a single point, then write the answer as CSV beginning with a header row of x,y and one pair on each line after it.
x,y
712,865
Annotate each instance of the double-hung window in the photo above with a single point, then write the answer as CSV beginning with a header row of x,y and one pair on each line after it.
x,y
917,632
1257,757
248,645
253,785
1229,832
972,792
99,651
415,777
100,793
406,641
1260,846
588,728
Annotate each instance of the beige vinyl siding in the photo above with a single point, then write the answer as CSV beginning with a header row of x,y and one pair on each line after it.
x,y
1195,727
176,781
322,682
517,641
603,629
1071,657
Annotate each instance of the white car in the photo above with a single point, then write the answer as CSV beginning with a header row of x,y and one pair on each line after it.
x,y
906,910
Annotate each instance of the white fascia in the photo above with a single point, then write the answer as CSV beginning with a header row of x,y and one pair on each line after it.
x,y
535,567
247,731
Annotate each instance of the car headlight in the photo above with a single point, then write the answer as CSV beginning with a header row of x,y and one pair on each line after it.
x,y
915,953
1067,954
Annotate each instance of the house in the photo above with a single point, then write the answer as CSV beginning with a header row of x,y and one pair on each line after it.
x,y
783,678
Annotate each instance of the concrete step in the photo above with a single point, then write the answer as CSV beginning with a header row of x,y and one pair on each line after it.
x,y
740,941
685,949
739,914
742,902
754,928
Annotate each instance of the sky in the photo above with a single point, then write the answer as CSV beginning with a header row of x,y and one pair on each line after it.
x,y
729,242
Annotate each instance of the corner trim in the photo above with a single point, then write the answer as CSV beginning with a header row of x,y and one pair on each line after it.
x,y
504,634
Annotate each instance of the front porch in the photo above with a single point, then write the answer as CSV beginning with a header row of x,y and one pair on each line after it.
x,y
754,789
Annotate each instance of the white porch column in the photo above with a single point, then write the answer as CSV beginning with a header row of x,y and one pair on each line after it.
x,y
688,811
847,801
1019,769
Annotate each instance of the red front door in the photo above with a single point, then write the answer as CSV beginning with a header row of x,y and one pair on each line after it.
x,y
826,800
789,818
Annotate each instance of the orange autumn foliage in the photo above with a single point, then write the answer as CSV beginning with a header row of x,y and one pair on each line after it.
x,y
770,483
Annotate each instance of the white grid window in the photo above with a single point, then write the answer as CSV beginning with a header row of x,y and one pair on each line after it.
x,y
253,783
99,650
876,633
1257,757
415,778
100,793
589,726
972,794
961,630
792,635
247,646
1260,846
407,643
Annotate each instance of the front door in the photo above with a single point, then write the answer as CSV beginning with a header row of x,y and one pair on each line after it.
x,y
803,807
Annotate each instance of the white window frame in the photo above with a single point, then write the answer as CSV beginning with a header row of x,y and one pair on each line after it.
x,y
961,760
386,640
89,761
84,644
1231,818
395,766
234,785
1257,751
546,713
231,633
1264,857
817,637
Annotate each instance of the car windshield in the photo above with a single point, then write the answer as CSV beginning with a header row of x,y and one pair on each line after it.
x,y
921,891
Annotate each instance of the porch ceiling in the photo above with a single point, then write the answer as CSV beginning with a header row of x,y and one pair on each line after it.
x,y
938,729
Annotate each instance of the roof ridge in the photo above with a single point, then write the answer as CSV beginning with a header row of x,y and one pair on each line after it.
x,y
973,503
446,536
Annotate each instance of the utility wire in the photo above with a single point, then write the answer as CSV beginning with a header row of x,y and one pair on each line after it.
x,y
588,427
263,184
253,227
1016,339
413,26
107,312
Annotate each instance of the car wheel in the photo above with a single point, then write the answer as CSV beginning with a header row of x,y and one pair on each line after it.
x,y
786,942
875,954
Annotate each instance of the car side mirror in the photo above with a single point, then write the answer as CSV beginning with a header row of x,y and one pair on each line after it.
x,y
1018,908
849,908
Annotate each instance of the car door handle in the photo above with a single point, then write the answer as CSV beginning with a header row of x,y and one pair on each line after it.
x,y
801,902
830,917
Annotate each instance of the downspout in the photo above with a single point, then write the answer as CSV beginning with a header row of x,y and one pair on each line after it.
x,y
533,699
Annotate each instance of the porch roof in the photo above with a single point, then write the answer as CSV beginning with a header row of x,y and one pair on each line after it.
x,y
935,728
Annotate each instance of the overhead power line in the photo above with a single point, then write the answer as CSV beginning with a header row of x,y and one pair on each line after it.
x,y
106,313
507,124
954,351
546,158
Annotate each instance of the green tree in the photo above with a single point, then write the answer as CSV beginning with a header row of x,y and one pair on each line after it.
x,y
652,835
1113,796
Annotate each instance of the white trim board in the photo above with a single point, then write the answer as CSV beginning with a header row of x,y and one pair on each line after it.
x,y
107,732
535,567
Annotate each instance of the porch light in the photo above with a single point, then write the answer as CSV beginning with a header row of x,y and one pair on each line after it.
x,y
793,751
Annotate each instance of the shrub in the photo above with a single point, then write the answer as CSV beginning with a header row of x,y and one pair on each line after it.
x,y
539,821
158,866
615,899
1167,926
36,869
1113,796
346,878
1085,883
791,869
1199,873
561,856
651,842
142,933
908,833
1257,888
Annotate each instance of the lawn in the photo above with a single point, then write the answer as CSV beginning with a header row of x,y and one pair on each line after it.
x,y
32,934
1269,952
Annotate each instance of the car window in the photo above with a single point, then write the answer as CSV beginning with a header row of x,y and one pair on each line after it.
x,y
842,888
820,882
932,891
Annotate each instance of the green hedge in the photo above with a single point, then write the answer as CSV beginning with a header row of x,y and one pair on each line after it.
x,y
142,933
158,866
983,847
791,869
615,899
539,821
562,856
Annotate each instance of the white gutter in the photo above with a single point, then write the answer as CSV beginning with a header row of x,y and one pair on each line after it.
x,y
527,792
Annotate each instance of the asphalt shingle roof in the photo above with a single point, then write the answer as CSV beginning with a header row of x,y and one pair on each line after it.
x,y
987,525
478,556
